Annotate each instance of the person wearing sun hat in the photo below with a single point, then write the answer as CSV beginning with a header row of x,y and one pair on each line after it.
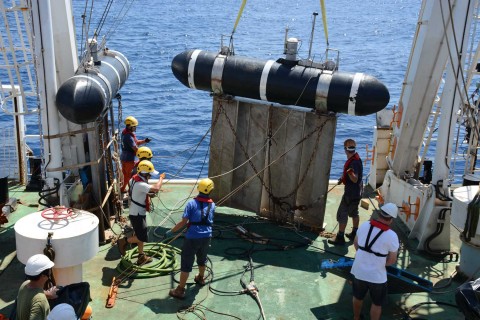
x,y
32,300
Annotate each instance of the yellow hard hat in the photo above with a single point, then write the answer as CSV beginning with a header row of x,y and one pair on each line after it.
x,y
131,121
146,166
144,152
205,186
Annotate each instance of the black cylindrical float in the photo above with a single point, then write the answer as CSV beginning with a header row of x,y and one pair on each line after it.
x,y
83,97
281,81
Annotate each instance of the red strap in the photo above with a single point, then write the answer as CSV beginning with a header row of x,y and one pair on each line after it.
x,y
379,225
346,165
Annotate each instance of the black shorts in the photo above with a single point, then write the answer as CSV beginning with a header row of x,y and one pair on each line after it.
x,y
378,291
194,248
139,225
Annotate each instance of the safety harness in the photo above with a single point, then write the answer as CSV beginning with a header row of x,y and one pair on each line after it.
x,y
204,217
347,164
368,245
136,178
126,132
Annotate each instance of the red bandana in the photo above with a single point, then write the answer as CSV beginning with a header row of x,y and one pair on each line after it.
x,y
202,199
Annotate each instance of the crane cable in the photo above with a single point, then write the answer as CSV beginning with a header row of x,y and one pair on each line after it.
x,y
324,20
239,15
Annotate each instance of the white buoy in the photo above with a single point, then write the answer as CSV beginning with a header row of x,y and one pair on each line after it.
x,y
74,240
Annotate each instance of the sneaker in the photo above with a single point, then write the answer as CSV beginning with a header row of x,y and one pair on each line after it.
x,y
122,246
178,293
143,259
337,241
199,280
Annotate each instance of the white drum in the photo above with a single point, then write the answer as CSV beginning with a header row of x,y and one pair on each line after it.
x,y
74,240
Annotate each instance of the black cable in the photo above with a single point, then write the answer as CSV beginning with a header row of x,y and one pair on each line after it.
x,y
418,305
103,18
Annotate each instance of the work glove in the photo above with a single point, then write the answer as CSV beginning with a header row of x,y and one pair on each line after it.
x,y
147,140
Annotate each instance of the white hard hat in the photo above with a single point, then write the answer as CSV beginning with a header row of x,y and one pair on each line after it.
x,y
62,311
37,263
389,210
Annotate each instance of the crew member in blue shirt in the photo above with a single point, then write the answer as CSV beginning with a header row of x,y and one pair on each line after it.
x,y
198,216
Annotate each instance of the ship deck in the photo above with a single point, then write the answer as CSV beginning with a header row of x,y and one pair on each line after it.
x,y
286,270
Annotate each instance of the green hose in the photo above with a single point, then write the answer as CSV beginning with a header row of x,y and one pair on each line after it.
x,y
164,263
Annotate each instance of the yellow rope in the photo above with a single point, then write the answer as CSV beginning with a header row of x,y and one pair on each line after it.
x,y
239,15
324,19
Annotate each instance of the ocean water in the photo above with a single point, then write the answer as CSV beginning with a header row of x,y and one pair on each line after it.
x,y
373,37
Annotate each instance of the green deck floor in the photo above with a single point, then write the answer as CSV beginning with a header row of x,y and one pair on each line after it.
x,y
287,271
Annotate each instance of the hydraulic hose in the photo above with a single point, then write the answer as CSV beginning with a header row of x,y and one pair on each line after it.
x,y
438,231
166,261
43,194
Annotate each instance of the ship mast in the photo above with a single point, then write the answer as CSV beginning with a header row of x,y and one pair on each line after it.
x,y
434,80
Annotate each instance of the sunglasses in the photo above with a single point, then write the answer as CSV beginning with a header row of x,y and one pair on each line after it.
x,y
351,148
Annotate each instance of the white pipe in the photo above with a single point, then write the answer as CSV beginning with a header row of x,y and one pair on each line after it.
x,y
47,88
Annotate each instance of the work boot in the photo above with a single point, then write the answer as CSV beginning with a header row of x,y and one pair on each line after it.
x,y
352,234
339,240
178,293
122,246
143,259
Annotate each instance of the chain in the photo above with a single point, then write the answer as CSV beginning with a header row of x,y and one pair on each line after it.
x,y
280,200
116,157
120,115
